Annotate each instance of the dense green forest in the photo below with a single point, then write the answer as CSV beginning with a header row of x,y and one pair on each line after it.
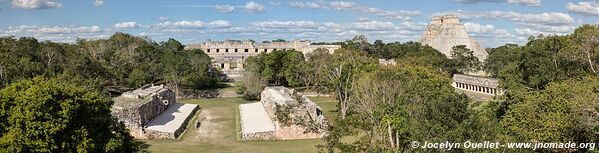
x,y
118,63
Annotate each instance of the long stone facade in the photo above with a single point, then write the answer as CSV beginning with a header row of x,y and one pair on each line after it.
x,y
142,107
285,115
478,84
229,55
445,32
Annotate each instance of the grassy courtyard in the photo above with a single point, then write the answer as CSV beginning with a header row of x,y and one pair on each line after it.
x,y
219,131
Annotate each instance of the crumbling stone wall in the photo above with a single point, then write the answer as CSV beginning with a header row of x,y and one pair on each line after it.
x,y
153,134
138,107
303,119
269,135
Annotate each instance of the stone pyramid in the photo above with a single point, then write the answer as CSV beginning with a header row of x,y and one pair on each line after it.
x,y
444,32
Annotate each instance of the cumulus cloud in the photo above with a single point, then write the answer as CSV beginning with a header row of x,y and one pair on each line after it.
x,y
224,8
479,28
52,29
163,18
220,24
126,25
536,29
285,24
254,7
35,4
520,2
584,8
193,24
342,5
352,6
548,18
98,2
307,4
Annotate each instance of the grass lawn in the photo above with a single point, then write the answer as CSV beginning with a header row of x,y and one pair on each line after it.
x,y
220,126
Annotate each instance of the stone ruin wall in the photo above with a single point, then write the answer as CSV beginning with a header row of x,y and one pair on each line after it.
x,y
229,55
137,115
307,111
476,80
153,134
269,135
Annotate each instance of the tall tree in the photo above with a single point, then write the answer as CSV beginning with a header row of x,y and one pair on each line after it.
x,y
464,59
41,115
343,69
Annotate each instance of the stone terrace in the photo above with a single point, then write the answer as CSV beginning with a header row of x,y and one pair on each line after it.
x,y
255,122
171,123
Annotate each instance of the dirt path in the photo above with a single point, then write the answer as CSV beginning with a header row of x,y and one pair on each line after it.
x,y
209,126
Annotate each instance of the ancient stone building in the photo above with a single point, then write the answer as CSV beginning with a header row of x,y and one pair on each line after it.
x,y
282,114
229,55
478,84
387,62
445,32
151,112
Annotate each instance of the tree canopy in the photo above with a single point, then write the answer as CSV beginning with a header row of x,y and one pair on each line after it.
x,y
52,115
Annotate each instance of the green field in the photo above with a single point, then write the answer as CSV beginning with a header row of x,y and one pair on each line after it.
x,y
219,131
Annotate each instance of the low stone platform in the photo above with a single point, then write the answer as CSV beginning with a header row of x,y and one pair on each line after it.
x,y
172,122
255,122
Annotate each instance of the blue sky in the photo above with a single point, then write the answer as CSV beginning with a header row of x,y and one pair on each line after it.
x,y
491,22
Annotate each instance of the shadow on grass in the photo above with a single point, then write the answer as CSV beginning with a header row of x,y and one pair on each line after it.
x,y
142,146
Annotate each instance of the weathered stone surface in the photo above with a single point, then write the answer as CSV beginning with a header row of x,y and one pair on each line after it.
x,y
229,55
304,119
476,84
137,108
255,122
387,62
171,123
445,32
476,80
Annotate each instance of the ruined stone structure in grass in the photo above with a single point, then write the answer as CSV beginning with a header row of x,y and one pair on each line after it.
x,y
151,112
445,32
478,84
387,62
229,55
282,114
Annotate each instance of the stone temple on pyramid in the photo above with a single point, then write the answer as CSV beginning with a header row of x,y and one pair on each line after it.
x,y
445,32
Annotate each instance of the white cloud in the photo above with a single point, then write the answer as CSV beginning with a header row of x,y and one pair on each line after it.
x,y
520,2
193,24
224,8
309,5
163,18
220,24
189,24
285,24
125,25
98,2
342,5
526,2
254,7
52,29
352,6
548,18
584,8
35,4
479,28
536,29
